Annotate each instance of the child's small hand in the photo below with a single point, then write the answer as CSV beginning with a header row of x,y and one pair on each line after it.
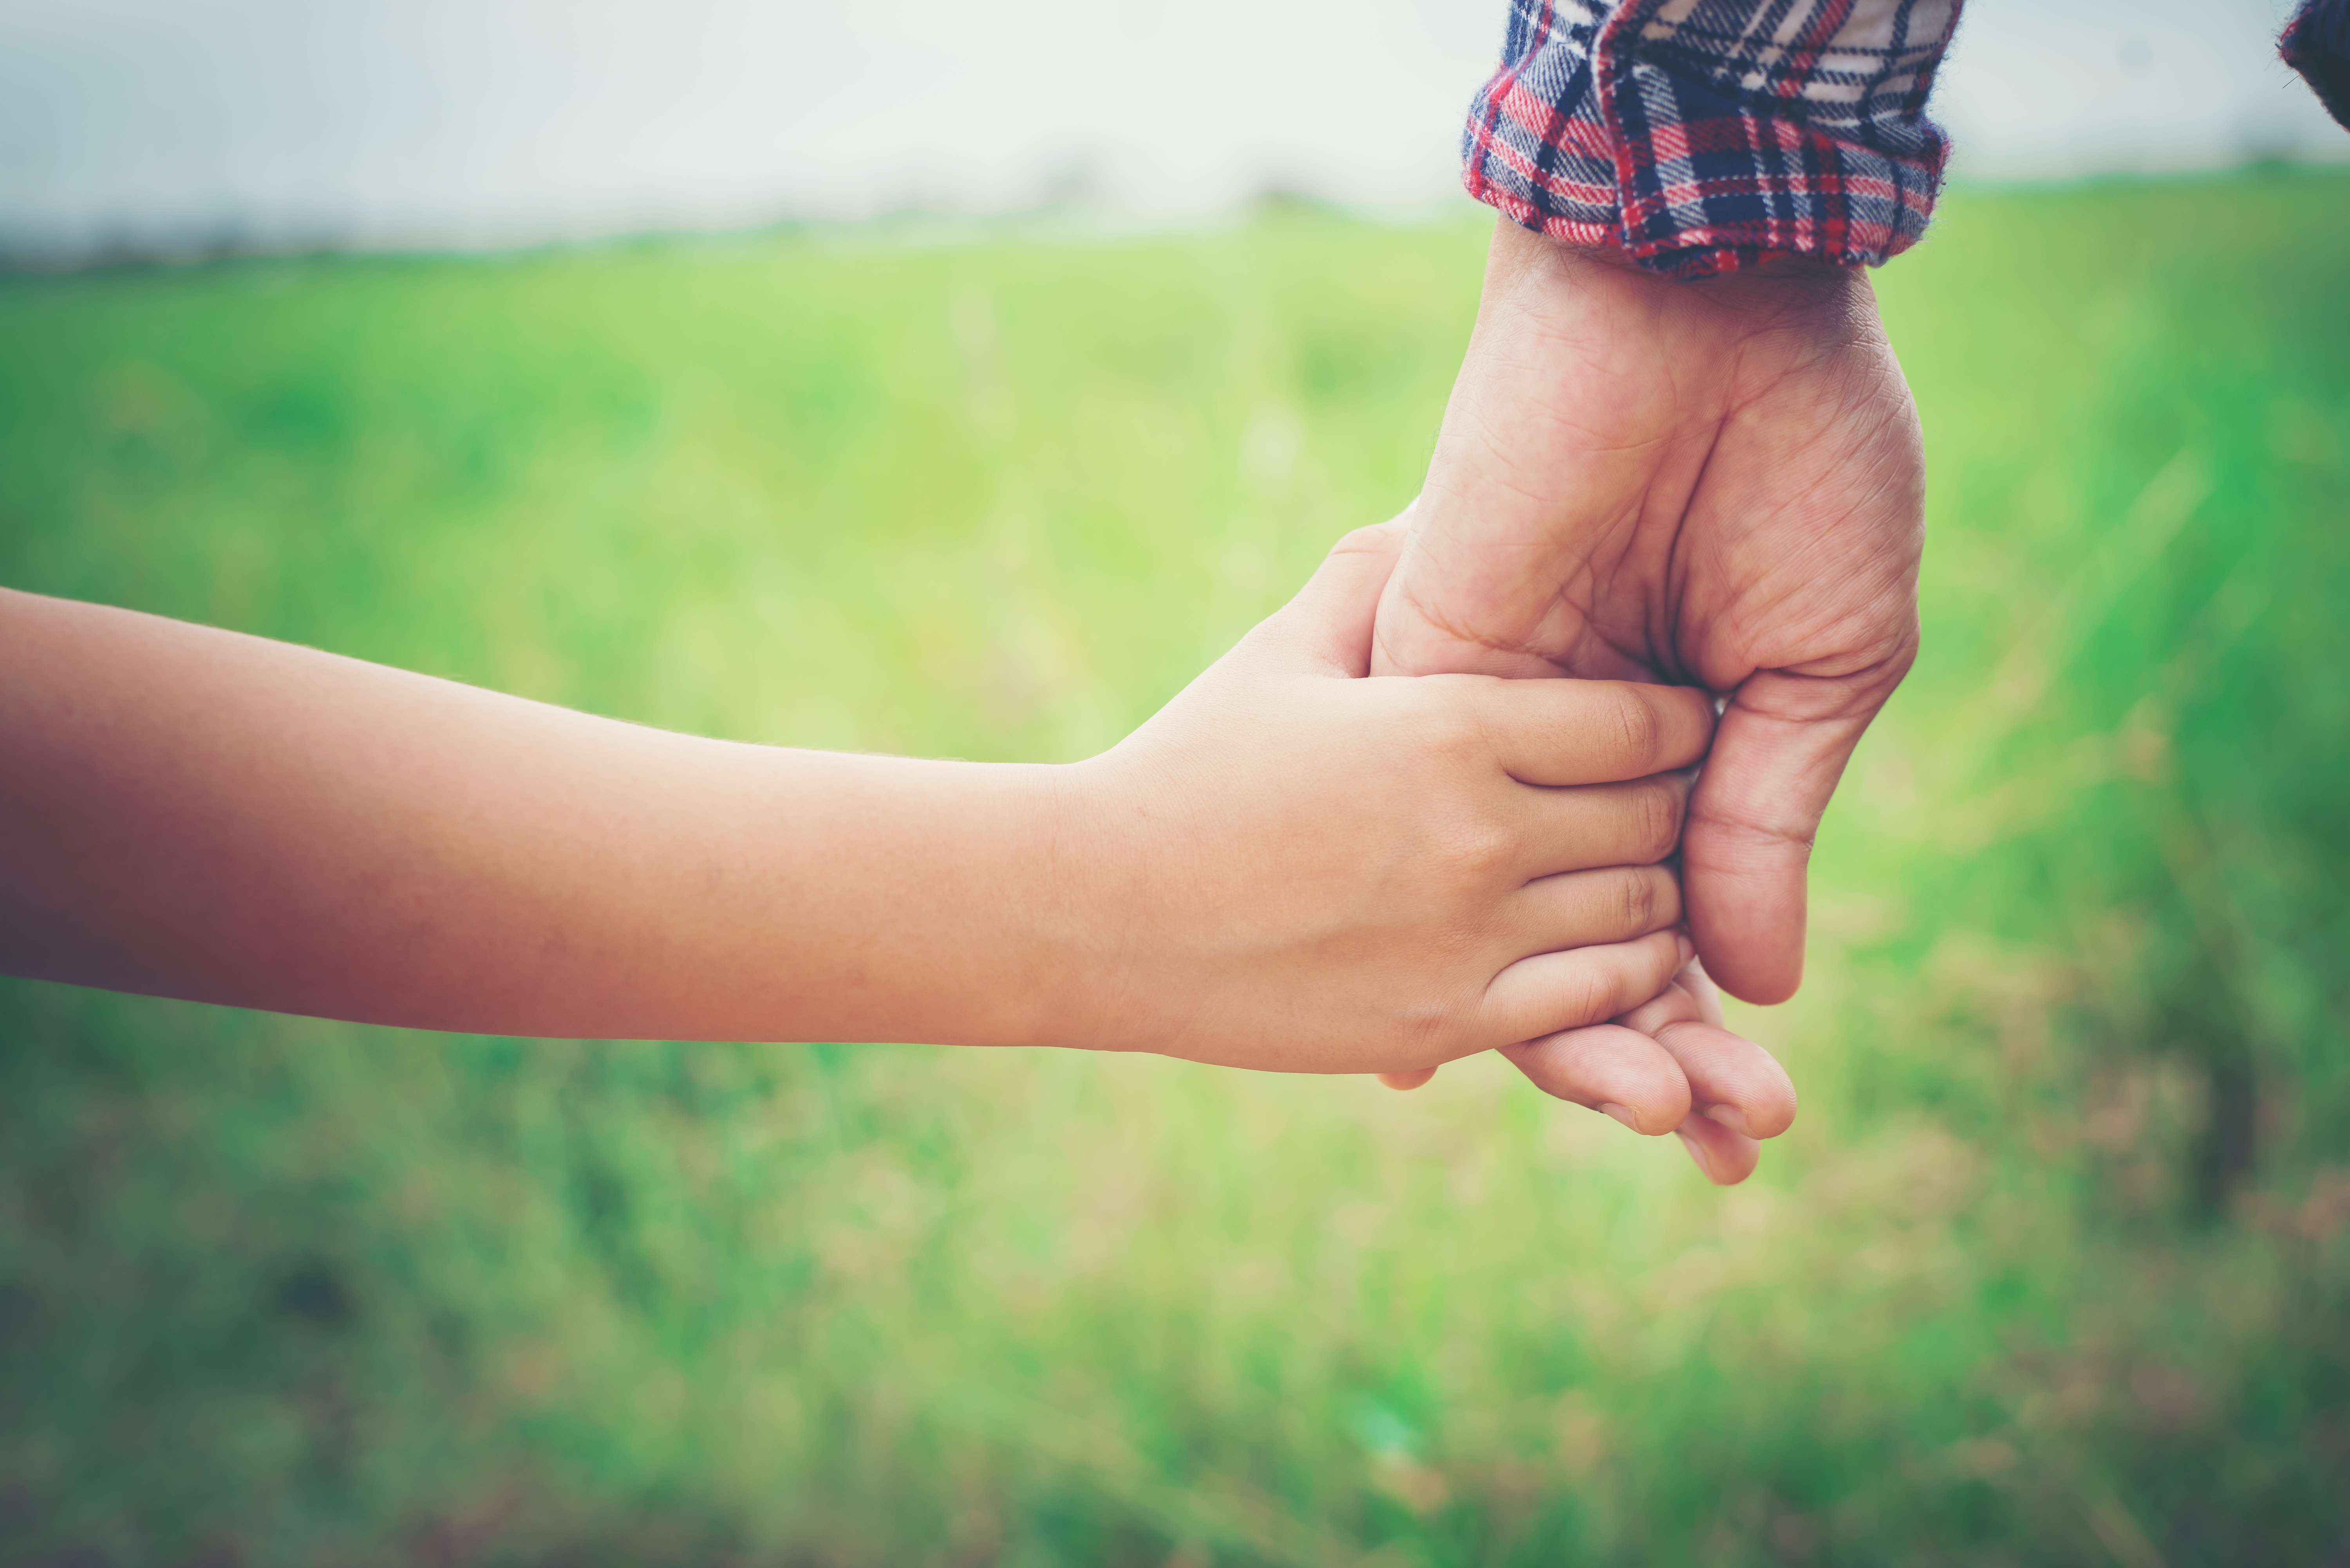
x,y
1295,868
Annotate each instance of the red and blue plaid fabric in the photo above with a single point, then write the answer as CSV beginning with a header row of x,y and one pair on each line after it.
x,y
1702,136
2317,43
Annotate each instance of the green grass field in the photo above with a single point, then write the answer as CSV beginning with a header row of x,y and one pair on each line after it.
x,y
2055,1269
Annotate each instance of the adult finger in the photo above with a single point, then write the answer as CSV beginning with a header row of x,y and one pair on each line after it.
x,y
1608,1068
1563,732
1726,1157
1732,1080
1780,748
1326,628
1577,909
1703,992
1555,991
1579,829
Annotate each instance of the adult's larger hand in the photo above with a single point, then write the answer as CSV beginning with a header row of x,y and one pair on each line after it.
x,y
1717,483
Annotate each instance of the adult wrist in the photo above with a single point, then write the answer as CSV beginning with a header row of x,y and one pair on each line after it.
x,y
1804,289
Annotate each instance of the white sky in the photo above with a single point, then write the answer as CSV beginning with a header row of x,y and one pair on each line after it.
x,y
169,123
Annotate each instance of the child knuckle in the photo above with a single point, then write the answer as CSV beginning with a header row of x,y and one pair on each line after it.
x,y
1637,902
1451,732
1659,820
1479,848
1589,995
1427,1024
1639,727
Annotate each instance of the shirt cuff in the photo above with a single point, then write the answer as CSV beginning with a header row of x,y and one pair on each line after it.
x,y
1707,136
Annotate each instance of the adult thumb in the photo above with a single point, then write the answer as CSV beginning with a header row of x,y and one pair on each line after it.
x,y
1326,628
1777,754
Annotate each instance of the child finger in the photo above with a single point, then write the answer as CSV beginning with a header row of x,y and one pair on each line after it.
x,y
1577,909
1593,731
1726,1157
1637,823
1411,1080
1608,1068
1550,991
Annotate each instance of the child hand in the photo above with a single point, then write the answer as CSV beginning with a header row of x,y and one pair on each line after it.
x,y
1295,868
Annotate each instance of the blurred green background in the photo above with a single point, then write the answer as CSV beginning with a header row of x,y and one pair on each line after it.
x,y
2053,1270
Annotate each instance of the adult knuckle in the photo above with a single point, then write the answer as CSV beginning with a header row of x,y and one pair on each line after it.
x,y
1750,838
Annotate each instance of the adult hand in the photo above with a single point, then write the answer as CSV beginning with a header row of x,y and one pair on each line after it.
x,y
1714,483
1733,1093
1667,1065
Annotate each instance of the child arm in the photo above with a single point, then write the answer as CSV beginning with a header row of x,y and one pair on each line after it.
x,y
194,813
1291,866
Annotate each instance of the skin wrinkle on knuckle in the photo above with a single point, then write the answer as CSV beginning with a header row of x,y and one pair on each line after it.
x,y
1637,729
1875,662
1483,849
1846,696
1637,899
1582,998
1600,989
1659,806
1748,832
1432,1026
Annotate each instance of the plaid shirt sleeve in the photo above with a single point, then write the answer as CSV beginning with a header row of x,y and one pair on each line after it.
x,y
1703,136
2317,43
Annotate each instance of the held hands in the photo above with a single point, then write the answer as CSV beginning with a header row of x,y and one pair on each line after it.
x,y
1715,484
1293,867
1318,872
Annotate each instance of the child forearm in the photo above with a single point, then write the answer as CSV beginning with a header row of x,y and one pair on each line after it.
x,y
192,813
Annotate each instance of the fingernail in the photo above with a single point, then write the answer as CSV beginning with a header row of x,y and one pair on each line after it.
x,y
1696,1152
1731,1118
1688,948
1622,1113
